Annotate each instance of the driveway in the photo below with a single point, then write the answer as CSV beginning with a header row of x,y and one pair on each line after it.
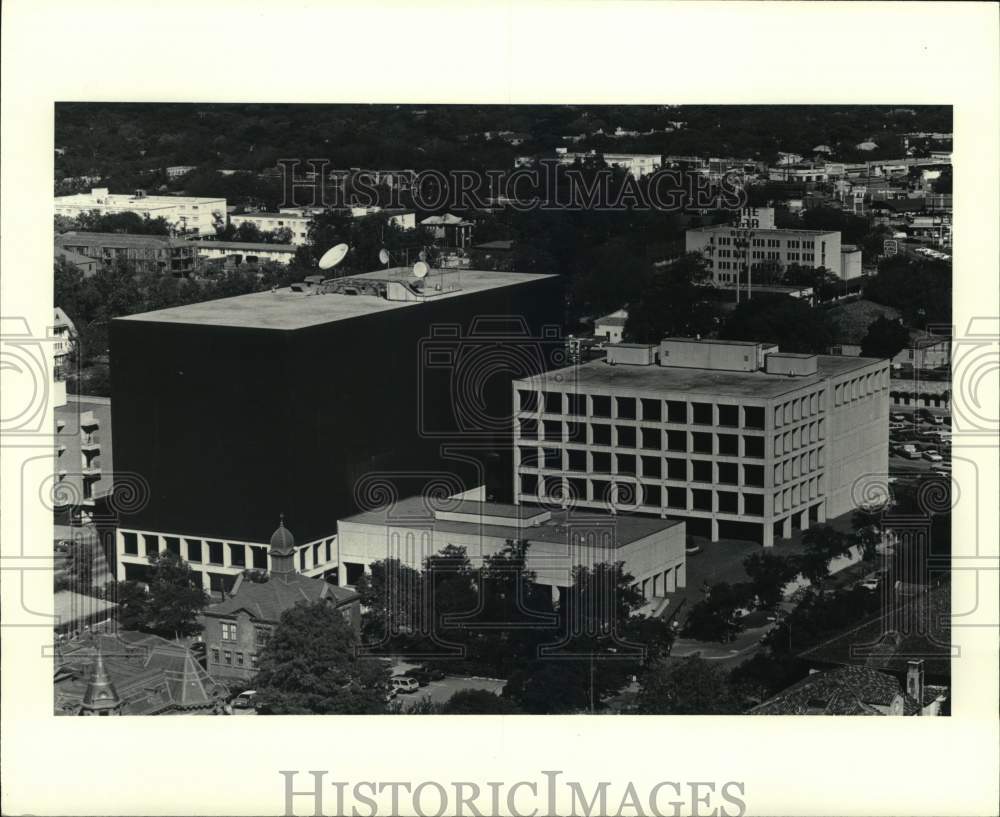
x,y
441,691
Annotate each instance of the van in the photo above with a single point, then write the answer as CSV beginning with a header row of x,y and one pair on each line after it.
x,y
404,685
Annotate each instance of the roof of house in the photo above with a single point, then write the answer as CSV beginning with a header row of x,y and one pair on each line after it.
x,y
611,321
599,376
445,220
69,607
925,619
288,310
244,246
842,691
267,600
84,238
151,674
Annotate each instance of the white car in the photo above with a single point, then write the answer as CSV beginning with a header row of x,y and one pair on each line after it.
x,y
404,685
933,456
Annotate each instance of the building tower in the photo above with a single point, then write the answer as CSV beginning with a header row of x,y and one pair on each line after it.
x,y
101,697
282,552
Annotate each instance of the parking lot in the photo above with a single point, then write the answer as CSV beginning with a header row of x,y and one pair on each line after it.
x,y
440,691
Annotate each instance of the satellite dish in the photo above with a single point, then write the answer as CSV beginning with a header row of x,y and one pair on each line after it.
x,y
420,269
383,256
333,256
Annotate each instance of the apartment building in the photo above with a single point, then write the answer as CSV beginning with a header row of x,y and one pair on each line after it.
x,y
248,252
149,253
729,248
637,164
187,214
297,223
737,438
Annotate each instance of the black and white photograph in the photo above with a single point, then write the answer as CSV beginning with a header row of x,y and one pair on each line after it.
x,y
348,409
495,410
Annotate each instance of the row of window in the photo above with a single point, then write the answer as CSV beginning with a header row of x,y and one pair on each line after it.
x,y
800,408
796,495
262,634
794,467
215,555
650,410
226,657
649,439
670,468
858,388
652,496
799,437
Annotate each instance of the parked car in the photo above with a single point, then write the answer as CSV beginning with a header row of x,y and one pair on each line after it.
x,y
404,685
933,456
245,700
424,675
898,418
869,584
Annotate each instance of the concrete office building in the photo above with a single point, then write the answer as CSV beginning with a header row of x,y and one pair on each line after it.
x,y
184,213
239,409
739,439
729,248
410,530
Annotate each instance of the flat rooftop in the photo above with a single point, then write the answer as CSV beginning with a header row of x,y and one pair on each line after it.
x,y
715,228
82,238
415,509
601,377
288,310
250,246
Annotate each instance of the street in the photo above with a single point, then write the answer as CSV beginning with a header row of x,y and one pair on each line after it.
x,y
440,691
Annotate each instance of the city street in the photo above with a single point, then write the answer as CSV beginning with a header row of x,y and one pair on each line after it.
x,y
440,691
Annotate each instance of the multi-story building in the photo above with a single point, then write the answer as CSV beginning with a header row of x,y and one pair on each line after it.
x,y
729,249
83,463
249,252
638,164
297,223
652,550
196,216
293,401
735,437
237,628
63,340
149,253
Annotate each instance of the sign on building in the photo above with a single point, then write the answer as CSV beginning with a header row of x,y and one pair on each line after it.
x,y
890,246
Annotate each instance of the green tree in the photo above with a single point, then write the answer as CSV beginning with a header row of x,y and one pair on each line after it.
x,y
478,702
769,573
714,617
391,597
884,338
133,611
691,686
672,304
791,323
822,544
310,666
176,597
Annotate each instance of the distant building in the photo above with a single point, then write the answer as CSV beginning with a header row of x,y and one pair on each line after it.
x,y
149,253
653,550
925,351
176,171
240,626
729,249
64,341
850,262
856,691
866,146
88,266
734,437
610,327
297,223
183,213
131,673
451,230
83,464
797,173
245,252
637,164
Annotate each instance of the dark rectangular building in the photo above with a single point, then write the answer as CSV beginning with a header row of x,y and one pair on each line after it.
x,y
318,402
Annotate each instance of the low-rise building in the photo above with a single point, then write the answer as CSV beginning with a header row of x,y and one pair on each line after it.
x,y
449,229
297,223
189,214
88,266
240,626
637,164
149,253
559,539
611,327
245,252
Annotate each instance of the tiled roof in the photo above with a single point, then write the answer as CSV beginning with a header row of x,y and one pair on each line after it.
x,y
843,691
266,601
151,674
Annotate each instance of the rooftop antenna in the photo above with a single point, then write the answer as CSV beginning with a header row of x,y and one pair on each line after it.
x,y
333,256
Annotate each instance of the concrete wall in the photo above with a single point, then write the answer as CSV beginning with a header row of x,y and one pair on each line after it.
x,y
733,357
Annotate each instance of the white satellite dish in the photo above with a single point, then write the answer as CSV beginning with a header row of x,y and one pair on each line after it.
x,y
420,269
333,256
383,256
